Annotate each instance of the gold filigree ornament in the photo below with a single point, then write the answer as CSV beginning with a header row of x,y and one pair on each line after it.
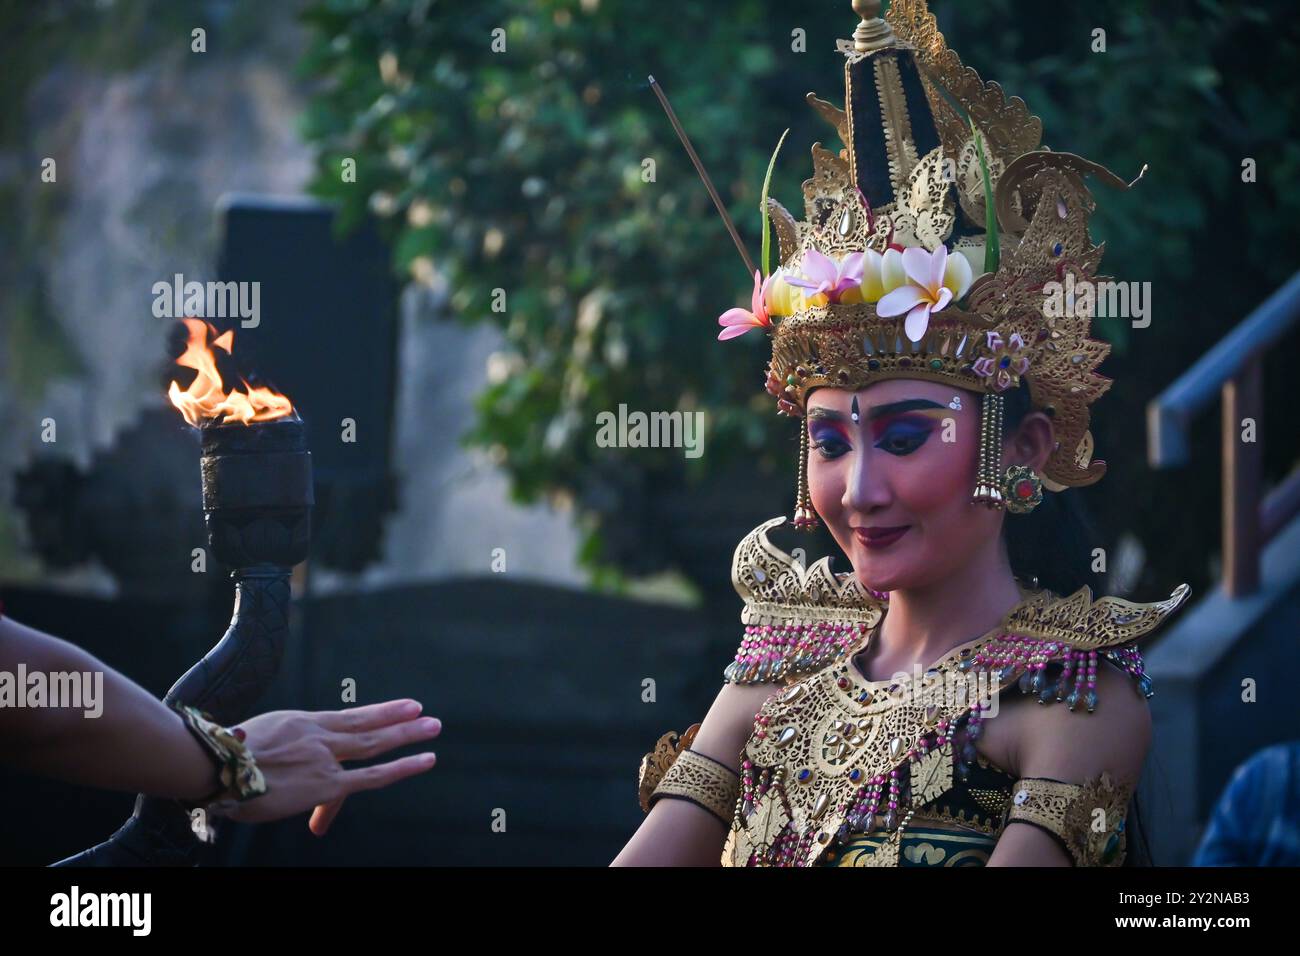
x,y
701,780
1089,820
658,761
932,776
928,147
796,619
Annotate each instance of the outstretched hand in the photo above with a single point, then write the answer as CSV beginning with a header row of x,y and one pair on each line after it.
x,y
300,754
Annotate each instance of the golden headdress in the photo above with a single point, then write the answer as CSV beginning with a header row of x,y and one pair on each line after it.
x,y
901,269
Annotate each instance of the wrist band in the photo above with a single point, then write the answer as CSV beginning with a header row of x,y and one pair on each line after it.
x,y
240,777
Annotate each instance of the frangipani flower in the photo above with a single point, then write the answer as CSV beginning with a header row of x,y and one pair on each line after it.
x,y
872,286
873,277
933,279
827,279
1004,364
782,298
739,321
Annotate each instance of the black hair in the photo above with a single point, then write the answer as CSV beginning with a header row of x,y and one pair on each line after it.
x,y
1053,543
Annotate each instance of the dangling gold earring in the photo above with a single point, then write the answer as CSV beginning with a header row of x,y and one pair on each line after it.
x,y
1022,489
805,519
987,491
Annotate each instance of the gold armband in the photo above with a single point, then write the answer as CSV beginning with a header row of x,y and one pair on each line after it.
x,y
1088,820
672,770
240,777
658,761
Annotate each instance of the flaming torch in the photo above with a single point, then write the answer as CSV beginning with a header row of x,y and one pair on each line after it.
x,y
257,498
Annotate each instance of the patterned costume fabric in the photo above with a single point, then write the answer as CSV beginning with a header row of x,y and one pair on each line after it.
x,y
959,828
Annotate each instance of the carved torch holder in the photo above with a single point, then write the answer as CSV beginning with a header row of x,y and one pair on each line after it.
x,y
257,500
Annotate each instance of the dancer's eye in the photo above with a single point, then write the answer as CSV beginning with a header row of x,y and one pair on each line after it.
x,y
828,440
904,436
830,447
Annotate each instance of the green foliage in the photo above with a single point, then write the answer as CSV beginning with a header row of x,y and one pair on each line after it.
x,y
529,170
992,249
762,207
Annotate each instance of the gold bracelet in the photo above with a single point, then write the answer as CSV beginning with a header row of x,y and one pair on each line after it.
x,y
1088,820
703,781
240,777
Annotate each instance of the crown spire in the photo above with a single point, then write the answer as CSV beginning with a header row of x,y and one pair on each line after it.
x,y
873,33
891,125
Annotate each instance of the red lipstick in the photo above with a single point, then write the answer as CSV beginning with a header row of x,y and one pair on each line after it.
x,y
880,537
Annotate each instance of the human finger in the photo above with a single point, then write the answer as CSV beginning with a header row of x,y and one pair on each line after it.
x,y
323,816
371,743
368,717
381,775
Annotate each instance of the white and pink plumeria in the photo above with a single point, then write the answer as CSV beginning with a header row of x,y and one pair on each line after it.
x,y
912,282
932,280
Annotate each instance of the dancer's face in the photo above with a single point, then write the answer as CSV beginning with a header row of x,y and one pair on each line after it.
x,y
894,488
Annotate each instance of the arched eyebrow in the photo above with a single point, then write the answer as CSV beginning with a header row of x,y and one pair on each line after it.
x,y
822,413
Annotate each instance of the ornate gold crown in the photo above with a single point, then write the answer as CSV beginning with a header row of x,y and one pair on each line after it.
x,y
955,222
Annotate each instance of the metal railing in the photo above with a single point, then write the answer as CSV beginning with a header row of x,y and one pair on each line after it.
x,y
1233,368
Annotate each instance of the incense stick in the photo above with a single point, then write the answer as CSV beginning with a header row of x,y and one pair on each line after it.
x,y
708,183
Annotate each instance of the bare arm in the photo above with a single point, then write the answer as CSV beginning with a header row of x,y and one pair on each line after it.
x,y
139,745
135,744
1074,748
678,833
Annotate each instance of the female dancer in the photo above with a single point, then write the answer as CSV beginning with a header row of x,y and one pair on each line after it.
x,y
896,715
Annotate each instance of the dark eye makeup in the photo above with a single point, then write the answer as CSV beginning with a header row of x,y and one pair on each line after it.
x,y
828,439
897,432
902,434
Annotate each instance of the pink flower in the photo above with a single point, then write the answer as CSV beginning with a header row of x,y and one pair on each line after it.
x,y
739,321
1004,364
827,277
933,280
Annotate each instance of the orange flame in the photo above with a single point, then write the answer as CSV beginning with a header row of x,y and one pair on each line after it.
x,y
206,399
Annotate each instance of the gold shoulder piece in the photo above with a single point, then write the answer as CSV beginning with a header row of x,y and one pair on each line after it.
x,y
797,619
658,761
1087,624
1073,632
1088,820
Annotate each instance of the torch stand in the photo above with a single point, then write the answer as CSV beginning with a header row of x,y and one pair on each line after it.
x,y
257,498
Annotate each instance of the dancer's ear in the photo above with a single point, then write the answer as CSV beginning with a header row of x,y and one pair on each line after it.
x,y
1031,444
